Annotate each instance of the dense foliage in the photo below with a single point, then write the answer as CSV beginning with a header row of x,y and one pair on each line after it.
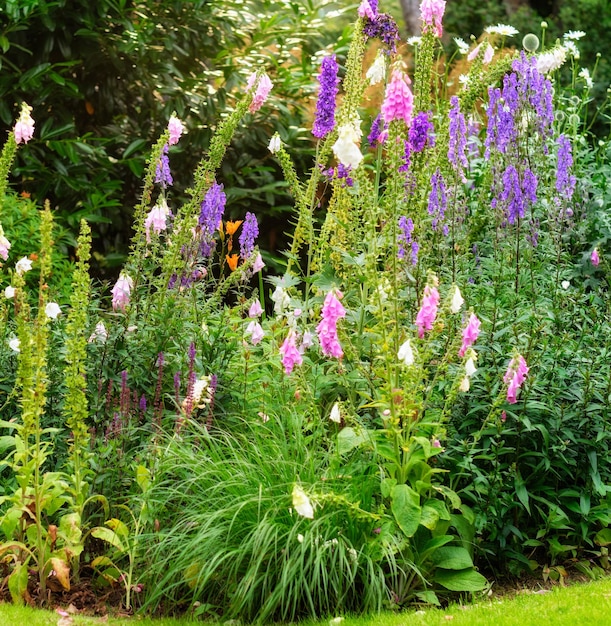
x,y
419,395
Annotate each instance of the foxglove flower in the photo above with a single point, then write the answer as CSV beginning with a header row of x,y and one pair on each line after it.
x,y
281,300
14,344
301,503
398,100
515,377
176,129
255,309
457,300
290,354
594,258
121,292
324,121
250,231
258,264
255,331
264,86
24,127
332,311
377,72
428,310
99,334
23,265
368,9
469,334
346,148
156,219
9,292
5,245
431,13
488,53
406,353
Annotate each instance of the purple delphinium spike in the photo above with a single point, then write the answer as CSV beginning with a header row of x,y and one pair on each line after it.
x,y
565,181
458,136
162,173
407,157
210,216
384,28
420,132
250,231
438,201
324,121
376,134
511,194
404,238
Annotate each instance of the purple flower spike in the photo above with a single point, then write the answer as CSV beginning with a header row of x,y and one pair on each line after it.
x,y
325,107
250,231
162,174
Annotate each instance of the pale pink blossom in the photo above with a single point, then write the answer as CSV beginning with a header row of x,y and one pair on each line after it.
x,y
5,245
255,309
515,377
290,354
255,331
156,219
398,100
366,10
488,53
431,13
469,334
121,292
176,129
428,310
24,127
594,258
258,264
264,86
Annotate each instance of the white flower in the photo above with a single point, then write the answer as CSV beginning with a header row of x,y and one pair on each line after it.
x,y
300,538
571,49
281,300
264,416
335,414
377,71
585,74
502,29
301,503
574,34
274,144
465,384
463,46
199,386
336,621
470,368
414,41
406,354
99,334
14,344
346,149
52,310
9,292
457,300
551,60
464,79
23,265
565,284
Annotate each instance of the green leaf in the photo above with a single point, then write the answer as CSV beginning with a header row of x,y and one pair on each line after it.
x,y
603,537
429,597
348,439
406,508
521,491
461,580
18,583
429,517
119,527
452,557
143,478
108,535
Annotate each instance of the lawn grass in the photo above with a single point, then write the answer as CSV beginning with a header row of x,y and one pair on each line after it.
x,y
584,604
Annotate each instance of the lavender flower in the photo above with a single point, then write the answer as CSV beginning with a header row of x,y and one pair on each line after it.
x,y
407,157
384,28
406,228
438,201
250,231
420,132
162,173
376,134
458,136
325,106
210,216
512,194
565,182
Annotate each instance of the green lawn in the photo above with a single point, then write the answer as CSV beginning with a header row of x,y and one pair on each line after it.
x,y
583,605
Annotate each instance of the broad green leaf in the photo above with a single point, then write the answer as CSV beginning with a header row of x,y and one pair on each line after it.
x,y
406,508
119,527
461,580
430,597
143,478
108,535
521,491
603,537
348,439
452,557
429,517
18,583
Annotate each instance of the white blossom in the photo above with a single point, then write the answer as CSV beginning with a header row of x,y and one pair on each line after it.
x,y
301,503
377,72
406,354
23,265
9,292
335,414
502,29
14,344
274,144
457,300
463,46
52,310
346,148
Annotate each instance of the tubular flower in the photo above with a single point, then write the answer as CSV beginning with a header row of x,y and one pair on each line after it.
x,y
332,310
325,106
346,148
5,245
515,377
431,14
428,311
156,219
176,129
264,86
406,353
121,292
290,354
398,99
595,258
24,127
469,334
255,331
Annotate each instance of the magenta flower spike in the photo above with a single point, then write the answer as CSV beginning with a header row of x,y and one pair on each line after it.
x,y
290,354
431,13
428,311
515,377
469,334
398,101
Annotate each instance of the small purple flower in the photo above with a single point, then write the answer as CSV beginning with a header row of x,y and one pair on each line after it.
x,y
325,106
438,201
565,181
384,28
420,132
162,173
376,134
210,216
458,136
406,228
407,157
250,231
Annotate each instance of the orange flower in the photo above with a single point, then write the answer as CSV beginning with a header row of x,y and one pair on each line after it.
x,y
232,261
231,227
